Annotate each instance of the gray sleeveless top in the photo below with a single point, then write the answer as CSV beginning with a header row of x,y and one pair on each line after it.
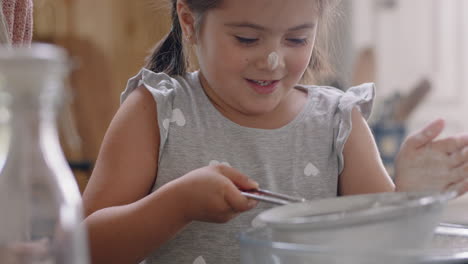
x,y
302,158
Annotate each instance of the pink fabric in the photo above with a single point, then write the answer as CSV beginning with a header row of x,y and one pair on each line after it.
x,y
19,19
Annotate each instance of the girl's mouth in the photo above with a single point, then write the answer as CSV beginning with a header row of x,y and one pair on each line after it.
x,y
263,86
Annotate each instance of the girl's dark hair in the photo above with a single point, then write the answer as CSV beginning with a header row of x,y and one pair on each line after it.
x,y
168,55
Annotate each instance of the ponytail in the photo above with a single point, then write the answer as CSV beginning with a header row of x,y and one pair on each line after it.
x,y
168,55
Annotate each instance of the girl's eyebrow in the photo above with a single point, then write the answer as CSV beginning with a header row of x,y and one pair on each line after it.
x,y
261,28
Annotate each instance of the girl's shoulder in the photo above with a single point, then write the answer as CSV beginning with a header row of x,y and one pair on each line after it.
x,y
361,95
365,90
159,83
336,106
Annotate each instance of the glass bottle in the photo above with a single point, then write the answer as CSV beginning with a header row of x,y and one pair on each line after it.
x,y
40,204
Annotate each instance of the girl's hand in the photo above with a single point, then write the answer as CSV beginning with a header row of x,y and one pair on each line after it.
x,y
425,164
211,194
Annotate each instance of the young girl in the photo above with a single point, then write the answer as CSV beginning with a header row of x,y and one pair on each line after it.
x,y
181,145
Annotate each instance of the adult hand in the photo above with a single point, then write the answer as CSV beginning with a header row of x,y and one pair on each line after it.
x,y
427,164
211,193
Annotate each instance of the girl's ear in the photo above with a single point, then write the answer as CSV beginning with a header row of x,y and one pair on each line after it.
x,y
187,21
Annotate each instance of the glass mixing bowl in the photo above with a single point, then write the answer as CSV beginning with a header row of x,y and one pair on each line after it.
x,y
449,245
377,221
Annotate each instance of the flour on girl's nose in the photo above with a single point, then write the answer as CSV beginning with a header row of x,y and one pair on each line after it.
x,y
215,162
273,60
177,117
199,260
311,170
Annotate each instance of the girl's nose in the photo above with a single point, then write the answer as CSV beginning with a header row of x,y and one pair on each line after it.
x,y
269,61
273,60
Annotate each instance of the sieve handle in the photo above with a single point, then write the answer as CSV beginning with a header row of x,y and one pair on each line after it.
x,y
271,197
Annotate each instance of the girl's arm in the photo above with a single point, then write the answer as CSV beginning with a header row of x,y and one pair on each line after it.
x,y
363,170
125,222
124,173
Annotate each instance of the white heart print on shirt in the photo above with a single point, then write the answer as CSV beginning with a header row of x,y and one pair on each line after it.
x,y
199,260
311,170
177,117
215,162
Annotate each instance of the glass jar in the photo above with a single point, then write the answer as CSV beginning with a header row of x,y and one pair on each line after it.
x,y
40,204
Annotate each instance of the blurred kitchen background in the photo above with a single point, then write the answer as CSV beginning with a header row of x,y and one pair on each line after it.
x,y
415,51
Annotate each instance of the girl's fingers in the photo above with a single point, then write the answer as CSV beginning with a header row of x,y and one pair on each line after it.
x,y
446,145
458,158
459,174
240,180
463,140
461,187
425,135
451,144
233,196
237,201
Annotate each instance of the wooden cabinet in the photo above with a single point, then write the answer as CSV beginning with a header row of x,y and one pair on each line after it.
x,y
108,40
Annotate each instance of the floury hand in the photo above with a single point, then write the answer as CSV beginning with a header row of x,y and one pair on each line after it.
x,y
425,163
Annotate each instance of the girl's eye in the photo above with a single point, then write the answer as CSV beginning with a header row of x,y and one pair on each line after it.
x,y
246,40
298,41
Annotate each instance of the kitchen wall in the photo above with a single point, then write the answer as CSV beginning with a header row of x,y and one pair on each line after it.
x,y
414,40
408,40
108,40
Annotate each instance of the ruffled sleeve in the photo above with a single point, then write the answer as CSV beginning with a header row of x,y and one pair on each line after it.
x,y
163,88
361,97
